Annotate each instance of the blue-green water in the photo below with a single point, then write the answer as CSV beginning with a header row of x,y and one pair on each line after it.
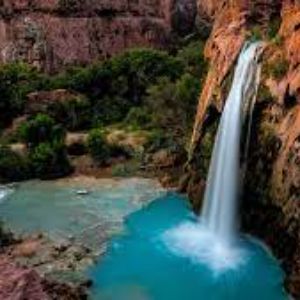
x,y
163,253
55,209
160,258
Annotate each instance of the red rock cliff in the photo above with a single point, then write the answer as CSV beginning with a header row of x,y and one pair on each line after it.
x,y
272,197
53,34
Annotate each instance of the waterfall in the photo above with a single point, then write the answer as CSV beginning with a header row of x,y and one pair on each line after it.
x,y
224,179
213,240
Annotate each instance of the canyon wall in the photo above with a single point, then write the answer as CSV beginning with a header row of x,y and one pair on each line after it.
x,y
271,202
54,34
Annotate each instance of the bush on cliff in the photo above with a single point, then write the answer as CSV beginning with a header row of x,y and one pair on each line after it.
x,y
279,68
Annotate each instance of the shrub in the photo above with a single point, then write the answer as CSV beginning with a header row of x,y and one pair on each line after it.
x,y
194,60
47,151
158,140
264,94
279,69
49,160
273,27
13,167
109,110
276,69
41,129
138,117
74,114
98,147
16,81
173,105
257,34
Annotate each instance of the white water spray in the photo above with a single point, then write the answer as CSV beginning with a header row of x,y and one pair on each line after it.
x,y
224,179
211,240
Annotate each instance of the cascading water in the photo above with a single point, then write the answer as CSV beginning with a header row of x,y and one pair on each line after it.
x,y
213,239
220,201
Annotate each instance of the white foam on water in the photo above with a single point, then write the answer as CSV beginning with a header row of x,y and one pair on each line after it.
x,y
197,243
4,193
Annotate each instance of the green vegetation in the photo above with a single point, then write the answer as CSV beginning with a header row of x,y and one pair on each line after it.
x,y
276,69
139,90
259,33
264,94
256,34
273,28
73,114
173,104
45,141
98,147
49,160
16,81
41,129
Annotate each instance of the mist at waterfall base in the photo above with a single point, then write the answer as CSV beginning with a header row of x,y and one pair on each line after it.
x,y
169,253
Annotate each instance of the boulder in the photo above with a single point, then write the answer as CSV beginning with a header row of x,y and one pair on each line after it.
x,y
19,283
40,102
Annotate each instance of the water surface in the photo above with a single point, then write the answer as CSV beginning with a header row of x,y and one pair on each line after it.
x,y
56,209
158,258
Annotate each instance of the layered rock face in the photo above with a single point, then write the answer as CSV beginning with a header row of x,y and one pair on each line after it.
x,y
54,34
272,197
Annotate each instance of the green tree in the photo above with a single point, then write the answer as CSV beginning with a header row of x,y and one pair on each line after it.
x,y
41,129
16,81
49,160
193,59
173,104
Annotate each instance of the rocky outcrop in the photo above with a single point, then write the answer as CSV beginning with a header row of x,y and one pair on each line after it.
x,y
232,24
54,34
19,283
43,101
